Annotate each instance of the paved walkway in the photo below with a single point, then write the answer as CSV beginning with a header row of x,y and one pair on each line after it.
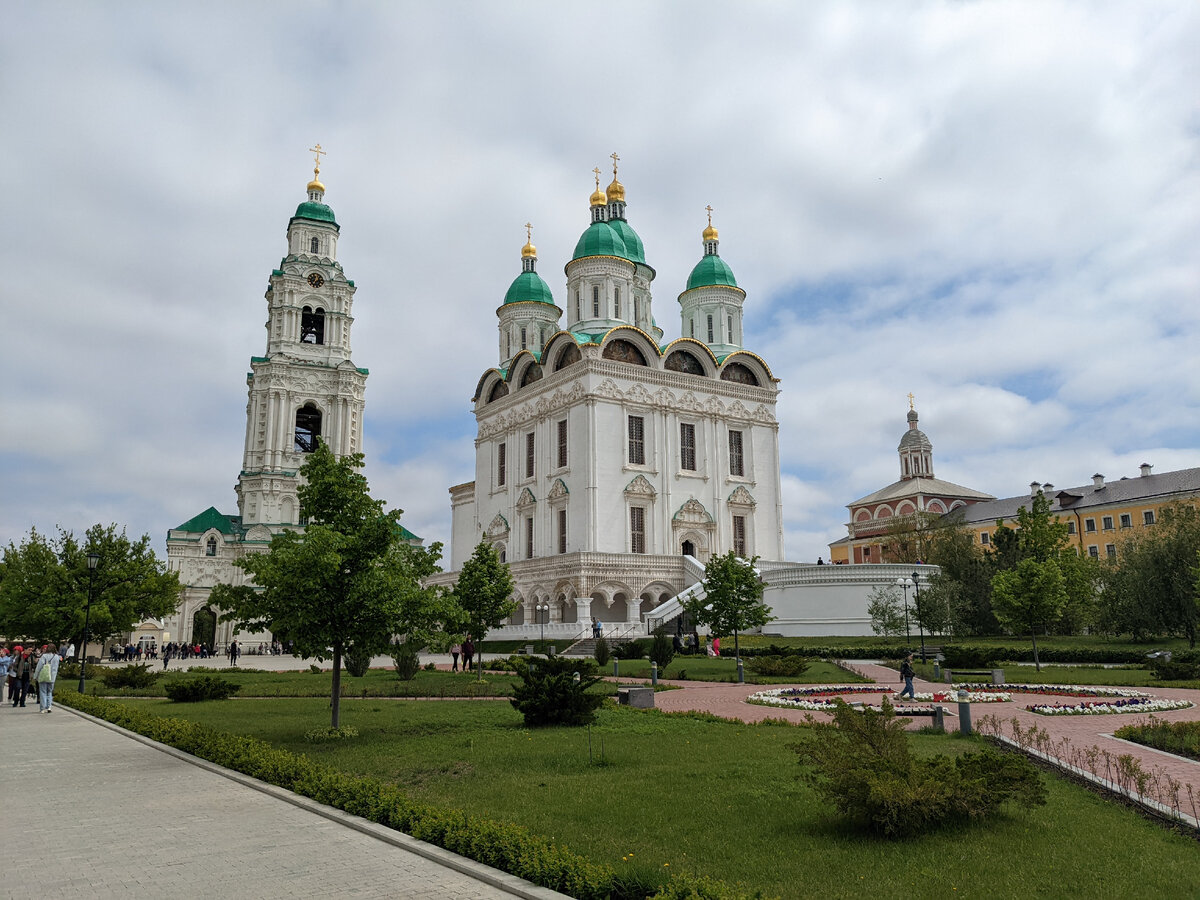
x,y
91,811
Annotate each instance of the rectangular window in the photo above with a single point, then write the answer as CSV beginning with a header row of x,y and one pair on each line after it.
x,y
616,303
737,464
501,464
562,443
1089,525
578,307
710,331
562,531
866,552
637,441
692,328
1111,550
637,529
1070,528
1126,520
595,302
985,538
729,333
1107,523
529,537
1093,551
529,455
687,446
739,536
1148,517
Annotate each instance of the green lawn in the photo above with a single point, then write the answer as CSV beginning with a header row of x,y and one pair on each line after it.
x,y
717,798
705,668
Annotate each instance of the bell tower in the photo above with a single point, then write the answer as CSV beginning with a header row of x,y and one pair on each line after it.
x,y
305,388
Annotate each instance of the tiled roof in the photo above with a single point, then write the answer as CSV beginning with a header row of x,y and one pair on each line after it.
x,y
930,487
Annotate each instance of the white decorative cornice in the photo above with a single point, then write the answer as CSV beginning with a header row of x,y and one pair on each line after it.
x,y
692,514
498,526
640,487
526,499
742,497
558,491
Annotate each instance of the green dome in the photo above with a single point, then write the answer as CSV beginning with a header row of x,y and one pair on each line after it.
x,y
529,287
711,270
317,212
633,243
600,240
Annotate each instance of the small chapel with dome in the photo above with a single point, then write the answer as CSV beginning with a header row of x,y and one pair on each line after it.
x,y
612,461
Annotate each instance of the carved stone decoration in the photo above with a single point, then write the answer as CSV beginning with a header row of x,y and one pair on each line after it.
x,y
259,533
608,389
738,411
692,515
742,497
639,487
526,499
689,402
664,397
498,527
762,414
714,407
558,491
638,394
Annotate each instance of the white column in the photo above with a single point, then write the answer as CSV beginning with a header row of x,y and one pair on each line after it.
x,y
635,610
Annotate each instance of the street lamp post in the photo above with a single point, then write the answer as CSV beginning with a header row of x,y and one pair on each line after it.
x,y
905,583
93,559
543,613
916,577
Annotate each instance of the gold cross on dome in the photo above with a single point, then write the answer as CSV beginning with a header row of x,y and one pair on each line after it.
x,y
616,159
317,154
910,400
709,209
528,232
597,171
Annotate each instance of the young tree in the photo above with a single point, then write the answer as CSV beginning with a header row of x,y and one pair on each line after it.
x,y
484,594
348,582
886,610
733,598
44,586
1029,596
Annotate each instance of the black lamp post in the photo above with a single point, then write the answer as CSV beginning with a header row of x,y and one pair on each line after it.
x,y
93,559
543,613
904,583
917,603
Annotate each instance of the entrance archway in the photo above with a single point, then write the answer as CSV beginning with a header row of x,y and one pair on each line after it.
x,y
204,627
689,549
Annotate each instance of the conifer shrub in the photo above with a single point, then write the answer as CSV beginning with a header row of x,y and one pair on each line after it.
x,y
635,649
407,662
131,676
202,687
780,666
662,651
861,763
603,653
550,695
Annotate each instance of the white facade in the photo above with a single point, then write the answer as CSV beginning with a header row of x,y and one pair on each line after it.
x,y
305,387
604,457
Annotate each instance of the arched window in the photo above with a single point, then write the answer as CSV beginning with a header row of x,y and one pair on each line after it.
x,y
210,548
624,351
314,245
312,326
308,428
682,361
739,374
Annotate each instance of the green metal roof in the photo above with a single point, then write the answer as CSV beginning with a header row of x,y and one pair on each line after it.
x,y
711,270
317,212
633,244
210,518
600,240
529,287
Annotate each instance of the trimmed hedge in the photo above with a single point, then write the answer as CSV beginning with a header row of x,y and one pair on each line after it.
x,y
960,655
510,848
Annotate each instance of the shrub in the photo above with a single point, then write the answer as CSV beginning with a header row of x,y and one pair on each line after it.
x,y
549,694
785,666
1180,738
202,687
959,657
662,651
132,676
329,733
69,671
602,651
357,661
314,669
861,763
408,663
635,649
430,667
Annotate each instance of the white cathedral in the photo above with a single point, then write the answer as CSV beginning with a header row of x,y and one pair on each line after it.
x,y
609,465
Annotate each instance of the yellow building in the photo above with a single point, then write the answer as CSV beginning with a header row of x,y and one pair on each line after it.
x,y
1098,515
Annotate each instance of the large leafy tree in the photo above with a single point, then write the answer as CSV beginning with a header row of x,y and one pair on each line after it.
x,y
1153,588
733,598
1028,597
484,593
348,582
963,582
885,606
44,585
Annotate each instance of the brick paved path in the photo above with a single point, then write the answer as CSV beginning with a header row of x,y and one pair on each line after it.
x,y
89,811
729,701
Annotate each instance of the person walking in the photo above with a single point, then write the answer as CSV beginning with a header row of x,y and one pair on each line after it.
x,y
45,674
6,662
234,652
468,649
455,651
907,672
22,667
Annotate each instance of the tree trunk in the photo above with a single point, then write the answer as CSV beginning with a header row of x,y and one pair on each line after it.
x,y
737,653
1036,664
336,698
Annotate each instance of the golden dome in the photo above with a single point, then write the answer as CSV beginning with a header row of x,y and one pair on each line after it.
x,y
710,233
598,197
528,251
315,185
616,191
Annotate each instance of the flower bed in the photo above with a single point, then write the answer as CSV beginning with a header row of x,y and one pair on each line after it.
x,y
823,698
1064,690
952,697
1099,708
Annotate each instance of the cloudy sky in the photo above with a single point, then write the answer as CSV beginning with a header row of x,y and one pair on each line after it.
x,y
995,206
